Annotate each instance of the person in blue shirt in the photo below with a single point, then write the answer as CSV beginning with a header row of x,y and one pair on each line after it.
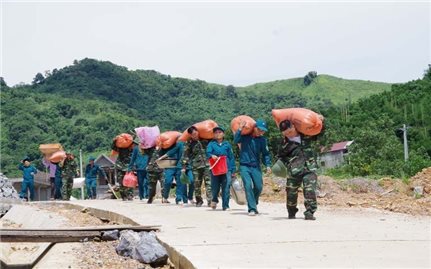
x,y
253,148
174,152
139,162
216,148
28,172
91,171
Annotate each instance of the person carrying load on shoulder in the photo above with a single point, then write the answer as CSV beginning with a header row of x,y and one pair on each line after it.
x,y
139,162
196,166
220,151
123,145
253,148
297,155
69,170
155,173
174,152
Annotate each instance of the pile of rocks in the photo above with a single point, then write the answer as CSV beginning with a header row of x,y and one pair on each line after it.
x,y
143,247
8,195
6,188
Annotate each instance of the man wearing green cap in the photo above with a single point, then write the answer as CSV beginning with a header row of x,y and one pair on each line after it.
x,y
253,149
91,171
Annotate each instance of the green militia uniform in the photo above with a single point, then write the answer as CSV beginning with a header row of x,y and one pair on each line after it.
x,y
195,158
154,173
69,170
121,166
300,160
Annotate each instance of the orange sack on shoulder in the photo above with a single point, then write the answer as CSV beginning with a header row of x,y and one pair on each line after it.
x,y
205,129
57,157
248,128
305,121
124,141
167,139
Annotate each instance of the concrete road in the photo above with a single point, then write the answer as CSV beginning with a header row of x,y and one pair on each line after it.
x,y
232,239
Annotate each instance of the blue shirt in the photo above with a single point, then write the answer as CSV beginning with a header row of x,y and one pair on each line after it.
x,y
176,152
139,160
28,172
91,172
222,149
253,149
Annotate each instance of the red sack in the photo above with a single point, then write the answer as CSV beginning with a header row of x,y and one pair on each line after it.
x,y
205,129
57,157
248,128
130,180
168,139
124,140
305,121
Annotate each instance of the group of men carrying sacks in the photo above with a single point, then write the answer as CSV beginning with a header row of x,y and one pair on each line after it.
x,y
201,156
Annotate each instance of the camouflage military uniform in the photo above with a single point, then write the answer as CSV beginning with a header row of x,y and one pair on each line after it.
x,y
121,166
154,173
301,165
69,170
195,158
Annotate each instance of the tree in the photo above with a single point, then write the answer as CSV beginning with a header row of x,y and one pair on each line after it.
x,y
38,79
3,83
231,91
308,79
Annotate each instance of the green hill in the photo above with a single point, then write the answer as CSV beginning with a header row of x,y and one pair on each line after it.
x,y
337,90
83,106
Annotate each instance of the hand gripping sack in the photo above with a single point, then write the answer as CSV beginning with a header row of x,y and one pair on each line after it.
x,y
205,129
248,128
305,121
168,139
148,136
130,180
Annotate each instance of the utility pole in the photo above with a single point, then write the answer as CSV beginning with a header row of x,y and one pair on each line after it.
x,y
80,172
406,146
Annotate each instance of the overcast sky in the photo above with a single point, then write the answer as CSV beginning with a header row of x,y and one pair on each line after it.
x,y
230,43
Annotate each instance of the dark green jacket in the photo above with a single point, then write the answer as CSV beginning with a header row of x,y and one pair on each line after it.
x,y
195,154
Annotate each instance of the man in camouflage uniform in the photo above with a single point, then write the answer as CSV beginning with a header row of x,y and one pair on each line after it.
x,y
195,159
296,153
69,170
121,166
154,172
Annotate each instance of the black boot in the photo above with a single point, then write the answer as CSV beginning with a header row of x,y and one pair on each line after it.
x,y
292,212
150,200
199,201
309,217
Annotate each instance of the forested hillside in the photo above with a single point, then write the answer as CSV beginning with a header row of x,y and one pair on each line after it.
x,y
83,106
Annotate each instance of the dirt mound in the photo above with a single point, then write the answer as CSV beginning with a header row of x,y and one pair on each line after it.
x,y
384,194
422,179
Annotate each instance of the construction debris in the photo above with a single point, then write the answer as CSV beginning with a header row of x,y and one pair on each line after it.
x,y
8,195
143,247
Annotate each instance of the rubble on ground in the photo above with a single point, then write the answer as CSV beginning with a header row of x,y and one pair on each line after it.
x,y
143,247
8,195
396,195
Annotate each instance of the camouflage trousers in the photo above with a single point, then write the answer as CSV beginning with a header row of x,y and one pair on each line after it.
x,y
153,177
309,182
66,188
125,192
202,175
